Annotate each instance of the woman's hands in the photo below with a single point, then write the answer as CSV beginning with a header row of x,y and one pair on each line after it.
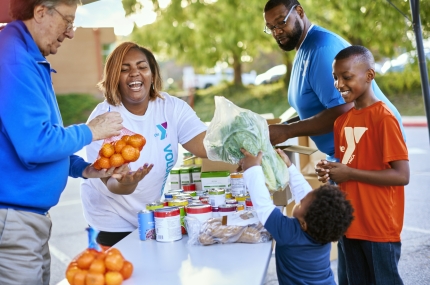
x,y
133,177
127,183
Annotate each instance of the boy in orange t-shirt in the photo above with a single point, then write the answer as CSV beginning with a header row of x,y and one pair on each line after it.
x,y
372,171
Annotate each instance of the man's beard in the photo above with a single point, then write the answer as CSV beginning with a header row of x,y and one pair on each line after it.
x,y
293,38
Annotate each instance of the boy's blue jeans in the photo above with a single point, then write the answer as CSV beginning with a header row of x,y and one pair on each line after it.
x,y
372,262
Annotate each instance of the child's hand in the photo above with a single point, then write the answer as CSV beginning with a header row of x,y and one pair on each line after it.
x,y
284,157
322,169
249,160
338,172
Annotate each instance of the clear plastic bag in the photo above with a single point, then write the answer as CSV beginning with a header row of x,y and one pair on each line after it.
x,y
121,149
243,227
233,128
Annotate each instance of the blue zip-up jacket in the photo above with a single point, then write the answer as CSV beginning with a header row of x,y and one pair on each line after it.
x,y
36,151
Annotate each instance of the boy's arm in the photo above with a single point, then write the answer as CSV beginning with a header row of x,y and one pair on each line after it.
x,y
261,202
397,175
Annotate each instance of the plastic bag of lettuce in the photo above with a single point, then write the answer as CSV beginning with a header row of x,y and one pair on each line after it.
x,y
233,128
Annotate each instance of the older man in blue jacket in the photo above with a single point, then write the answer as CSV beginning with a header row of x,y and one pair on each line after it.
x,y
36,150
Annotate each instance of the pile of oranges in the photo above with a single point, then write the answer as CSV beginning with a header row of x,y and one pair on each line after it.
x,y
127,149
93,267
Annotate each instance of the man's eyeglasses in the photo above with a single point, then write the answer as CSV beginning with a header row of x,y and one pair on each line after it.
x,y
280,25
69,26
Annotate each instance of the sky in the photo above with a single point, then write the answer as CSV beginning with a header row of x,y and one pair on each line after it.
x,y
110,13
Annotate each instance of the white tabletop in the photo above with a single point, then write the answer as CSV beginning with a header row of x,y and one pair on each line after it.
x,y
157,263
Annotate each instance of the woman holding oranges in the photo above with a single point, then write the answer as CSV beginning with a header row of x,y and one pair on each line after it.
x,y
132,86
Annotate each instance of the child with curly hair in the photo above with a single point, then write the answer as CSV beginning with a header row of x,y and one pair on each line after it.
x,y
320,216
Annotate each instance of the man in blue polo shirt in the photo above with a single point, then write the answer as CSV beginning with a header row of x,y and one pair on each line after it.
x,y
311,91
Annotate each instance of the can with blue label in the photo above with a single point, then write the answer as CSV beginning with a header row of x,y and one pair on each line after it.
x,y
146,224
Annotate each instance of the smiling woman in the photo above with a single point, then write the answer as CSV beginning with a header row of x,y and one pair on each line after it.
x,y
132,86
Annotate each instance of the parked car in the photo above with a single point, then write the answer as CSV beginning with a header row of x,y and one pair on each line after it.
x,y
399,63
203,81
272,75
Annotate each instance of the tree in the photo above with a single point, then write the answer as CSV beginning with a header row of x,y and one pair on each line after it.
x,y
205,32
375,24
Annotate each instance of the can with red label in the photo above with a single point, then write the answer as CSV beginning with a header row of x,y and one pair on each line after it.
x,y
167,224
200,212
145,219
248,204
227,209
189,187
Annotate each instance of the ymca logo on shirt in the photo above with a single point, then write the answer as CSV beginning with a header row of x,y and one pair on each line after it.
x,y
352,136
163,131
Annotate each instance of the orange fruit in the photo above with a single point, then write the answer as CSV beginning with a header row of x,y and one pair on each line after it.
x,y
126,270
94,278
97,266
79,278
84,261
104,162
113,278
125,138
107,150
113,250
116,160
130,153
136,140
96,165
114,261
119,145
71,272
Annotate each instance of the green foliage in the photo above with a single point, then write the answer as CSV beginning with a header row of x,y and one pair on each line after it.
x,y
76,108
260,99
203,33
374,24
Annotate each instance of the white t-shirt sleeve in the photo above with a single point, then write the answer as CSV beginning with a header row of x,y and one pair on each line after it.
x,y
298,184
261,202
188,124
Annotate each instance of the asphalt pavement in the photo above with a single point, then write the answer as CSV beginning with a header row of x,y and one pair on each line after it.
x,y
69,237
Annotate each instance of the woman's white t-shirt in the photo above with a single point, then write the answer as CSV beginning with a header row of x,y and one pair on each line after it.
x,y
166,123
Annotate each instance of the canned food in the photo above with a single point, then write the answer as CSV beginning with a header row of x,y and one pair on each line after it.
x,y
241,199
215,212
240,207
154,205
231,201
217,196
167,224
146,223
177,202
180,204
200,212
248,204
205,199
198,161
183,196
228,195
189,187
237,183
226,209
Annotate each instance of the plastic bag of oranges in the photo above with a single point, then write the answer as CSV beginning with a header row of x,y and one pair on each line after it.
x,y
95,266
121,149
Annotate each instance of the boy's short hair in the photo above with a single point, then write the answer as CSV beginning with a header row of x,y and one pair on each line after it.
x,y
361,53
329,215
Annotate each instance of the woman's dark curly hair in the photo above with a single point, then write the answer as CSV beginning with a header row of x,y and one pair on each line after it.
x,y
329,215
